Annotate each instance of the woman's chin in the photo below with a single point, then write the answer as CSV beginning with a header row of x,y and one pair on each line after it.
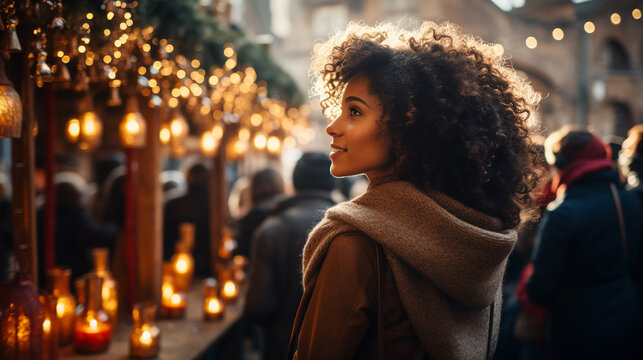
x,y
338,172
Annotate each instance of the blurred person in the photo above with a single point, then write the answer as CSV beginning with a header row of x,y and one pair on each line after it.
x,y
275,275
413,268
631,160
76,232
587,244
194,208
266,190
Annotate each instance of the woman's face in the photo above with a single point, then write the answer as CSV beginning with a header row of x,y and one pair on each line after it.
x,y
359,145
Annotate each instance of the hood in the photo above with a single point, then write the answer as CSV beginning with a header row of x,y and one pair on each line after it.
x,y
447,261
460,250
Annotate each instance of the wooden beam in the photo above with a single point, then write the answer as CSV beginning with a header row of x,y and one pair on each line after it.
x,y
149,210
22,173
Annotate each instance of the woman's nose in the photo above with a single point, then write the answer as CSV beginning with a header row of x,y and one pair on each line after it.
x,y
332,129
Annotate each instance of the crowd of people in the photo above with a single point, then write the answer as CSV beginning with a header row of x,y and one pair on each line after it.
x,y
472,240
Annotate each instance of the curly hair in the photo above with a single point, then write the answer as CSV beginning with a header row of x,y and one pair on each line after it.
x,y
457,113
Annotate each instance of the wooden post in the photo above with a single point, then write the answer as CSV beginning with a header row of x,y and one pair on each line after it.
x,y
218,198
22,175
149,206
49,252
129,224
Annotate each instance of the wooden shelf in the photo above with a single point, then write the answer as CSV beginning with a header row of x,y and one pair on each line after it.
x,y
181,339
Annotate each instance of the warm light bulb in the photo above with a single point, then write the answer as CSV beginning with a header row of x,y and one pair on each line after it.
x,y
208,143
181,266
636,14
217,131
531,42
89,124
260,141
132,126
46,326
175,299
93,324
558,34
176,127
146,338
164,135
244,134
60,309
167,290
73,128
615,18
274,144
214,306
589,27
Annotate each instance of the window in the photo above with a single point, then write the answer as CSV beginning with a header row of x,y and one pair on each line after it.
x,y
328,19
614,56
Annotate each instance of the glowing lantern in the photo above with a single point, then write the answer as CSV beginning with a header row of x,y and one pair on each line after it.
x,y
132,126
10,107
145,338
212,305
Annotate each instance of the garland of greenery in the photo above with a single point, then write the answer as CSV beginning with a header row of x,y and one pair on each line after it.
x,y
197,34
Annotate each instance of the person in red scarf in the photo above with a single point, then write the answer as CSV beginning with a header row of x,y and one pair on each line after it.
x,y
583,257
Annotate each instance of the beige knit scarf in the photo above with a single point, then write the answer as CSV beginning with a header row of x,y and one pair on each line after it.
x,y
447,260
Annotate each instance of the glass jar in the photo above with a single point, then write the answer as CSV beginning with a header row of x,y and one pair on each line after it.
x,y
212,305
109,293
145,338
58,278
173,301
183,266
92,330
49,327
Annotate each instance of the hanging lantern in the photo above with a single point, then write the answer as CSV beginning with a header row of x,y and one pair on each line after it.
x,y
21,320
260,141
164,134
132,127
10,107
91,130
72,130
179,129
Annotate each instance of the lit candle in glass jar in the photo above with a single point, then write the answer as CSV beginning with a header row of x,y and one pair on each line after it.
x,y
92,335
145,336
212,306
172,301
229,292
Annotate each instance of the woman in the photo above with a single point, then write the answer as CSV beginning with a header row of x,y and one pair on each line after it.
x,y
413,268
587,245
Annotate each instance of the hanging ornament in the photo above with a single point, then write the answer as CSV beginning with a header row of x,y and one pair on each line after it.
x,y
10,107
10,41
42,72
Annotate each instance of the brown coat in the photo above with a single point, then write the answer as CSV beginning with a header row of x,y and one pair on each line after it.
x,y
447,262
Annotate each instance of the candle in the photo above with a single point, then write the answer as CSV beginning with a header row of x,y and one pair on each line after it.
x,y
213,309
145,336
92,336
174,305
229,292
183,266
92,330
65,305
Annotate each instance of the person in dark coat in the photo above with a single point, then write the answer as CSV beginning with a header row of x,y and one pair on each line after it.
x,y
266,190
275,275
77,233
193,207
582,264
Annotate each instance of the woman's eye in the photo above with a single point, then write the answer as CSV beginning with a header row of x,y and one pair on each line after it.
x,y
355,111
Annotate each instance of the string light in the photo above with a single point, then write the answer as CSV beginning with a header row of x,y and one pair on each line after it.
x,y
589,27
636,14
558,34
615,18
531,42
